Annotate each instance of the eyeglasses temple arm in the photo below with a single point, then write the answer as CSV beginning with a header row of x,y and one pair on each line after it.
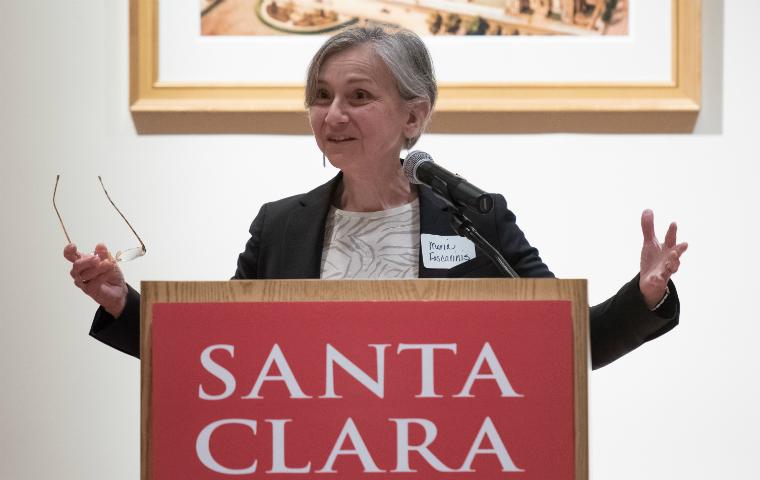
x,y
55,189
122,215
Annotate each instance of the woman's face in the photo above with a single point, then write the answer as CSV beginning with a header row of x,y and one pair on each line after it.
x,y
358,118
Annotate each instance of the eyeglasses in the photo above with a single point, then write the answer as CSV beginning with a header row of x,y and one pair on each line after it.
x,y
121,255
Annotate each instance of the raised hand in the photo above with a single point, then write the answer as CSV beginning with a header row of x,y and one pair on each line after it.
x,y
658,260
99,276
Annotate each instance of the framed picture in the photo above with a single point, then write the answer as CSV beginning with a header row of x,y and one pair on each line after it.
x,y
234,66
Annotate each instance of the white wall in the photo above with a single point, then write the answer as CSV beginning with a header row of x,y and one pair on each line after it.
x,y
684,406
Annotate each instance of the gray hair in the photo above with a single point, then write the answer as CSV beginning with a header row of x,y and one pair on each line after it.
x,y
402,51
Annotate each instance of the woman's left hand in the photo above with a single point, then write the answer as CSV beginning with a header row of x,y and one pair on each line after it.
x,y
658,260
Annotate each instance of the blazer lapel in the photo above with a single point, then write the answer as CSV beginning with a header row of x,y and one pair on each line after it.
x,y
305,233
434,219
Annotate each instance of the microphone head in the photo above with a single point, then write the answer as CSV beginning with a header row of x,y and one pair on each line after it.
x,y
413,160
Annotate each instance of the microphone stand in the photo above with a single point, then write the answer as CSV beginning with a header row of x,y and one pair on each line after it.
x,y
464,228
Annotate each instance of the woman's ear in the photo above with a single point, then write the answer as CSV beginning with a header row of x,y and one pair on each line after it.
x,y
419,112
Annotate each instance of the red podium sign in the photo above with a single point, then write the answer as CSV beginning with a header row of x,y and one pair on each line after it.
x,y
363,389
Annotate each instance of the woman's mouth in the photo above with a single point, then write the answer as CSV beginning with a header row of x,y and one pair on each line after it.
x,y
340,139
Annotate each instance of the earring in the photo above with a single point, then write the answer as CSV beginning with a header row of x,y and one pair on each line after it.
x,y
323,161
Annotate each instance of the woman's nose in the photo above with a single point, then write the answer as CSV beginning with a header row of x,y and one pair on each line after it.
x,y
336,114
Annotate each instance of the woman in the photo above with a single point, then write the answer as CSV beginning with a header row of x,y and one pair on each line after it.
x,y
370,92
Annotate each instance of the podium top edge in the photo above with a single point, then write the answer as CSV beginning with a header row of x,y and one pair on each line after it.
x,y
314,290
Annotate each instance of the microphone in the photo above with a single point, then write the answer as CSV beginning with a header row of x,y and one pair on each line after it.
x,y
453,189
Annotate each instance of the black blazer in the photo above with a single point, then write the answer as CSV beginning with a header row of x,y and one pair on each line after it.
x,y
286,242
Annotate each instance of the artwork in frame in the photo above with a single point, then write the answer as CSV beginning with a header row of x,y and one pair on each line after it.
x,y
221,66
431,17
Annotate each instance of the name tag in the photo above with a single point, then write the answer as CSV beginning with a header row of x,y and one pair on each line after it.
x,y
439,251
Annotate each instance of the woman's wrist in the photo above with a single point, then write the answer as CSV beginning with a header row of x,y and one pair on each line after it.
x,y
654,297
117,308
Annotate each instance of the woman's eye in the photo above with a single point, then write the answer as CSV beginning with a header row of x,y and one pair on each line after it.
x,y
361,95
322,95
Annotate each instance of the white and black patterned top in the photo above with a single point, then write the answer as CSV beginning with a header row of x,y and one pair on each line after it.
x,y
381,244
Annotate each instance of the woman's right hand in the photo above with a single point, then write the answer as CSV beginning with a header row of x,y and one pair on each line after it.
x,y
99,276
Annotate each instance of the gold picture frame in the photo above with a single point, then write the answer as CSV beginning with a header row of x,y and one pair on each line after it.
x,y
185,107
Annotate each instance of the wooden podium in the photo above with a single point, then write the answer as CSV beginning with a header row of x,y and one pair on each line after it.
x,y
407,379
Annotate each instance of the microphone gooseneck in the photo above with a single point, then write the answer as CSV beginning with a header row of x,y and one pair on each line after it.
x,y
457,192
420,168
